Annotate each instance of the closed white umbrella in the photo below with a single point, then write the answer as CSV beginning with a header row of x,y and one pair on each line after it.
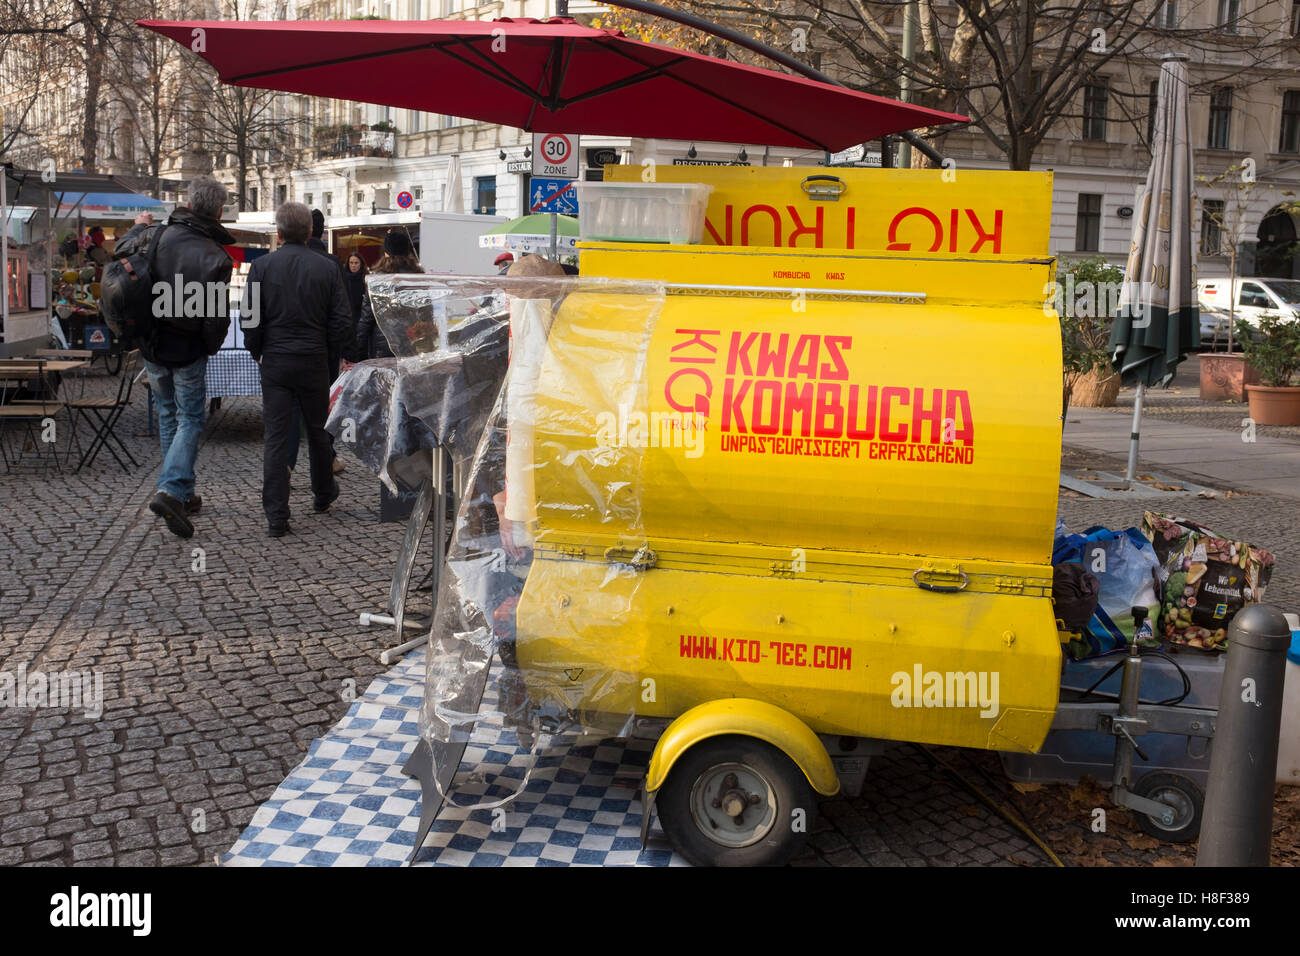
x,y
453,195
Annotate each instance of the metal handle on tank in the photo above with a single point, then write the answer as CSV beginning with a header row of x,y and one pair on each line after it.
x,y
940,588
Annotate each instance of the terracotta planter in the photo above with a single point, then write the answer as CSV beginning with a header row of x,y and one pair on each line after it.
x,y
1224,375
1092,391
1274,406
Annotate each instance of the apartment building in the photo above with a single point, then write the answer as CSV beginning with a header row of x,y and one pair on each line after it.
x,y
353,159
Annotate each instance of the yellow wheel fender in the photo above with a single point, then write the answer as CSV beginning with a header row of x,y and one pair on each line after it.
x,y
750,718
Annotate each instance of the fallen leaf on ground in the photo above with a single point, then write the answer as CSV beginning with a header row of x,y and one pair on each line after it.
x,y
1026,787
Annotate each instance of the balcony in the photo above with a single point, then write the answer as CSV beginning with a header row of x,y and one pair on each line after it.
x,y
346,142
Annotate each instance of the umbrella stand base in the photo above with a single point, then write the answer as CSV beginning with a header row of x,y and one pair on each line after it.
x,y
1106,484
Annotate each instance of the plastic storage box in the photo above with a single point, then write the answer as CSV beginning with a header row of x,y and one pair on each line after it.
x,y
642,212
1068,755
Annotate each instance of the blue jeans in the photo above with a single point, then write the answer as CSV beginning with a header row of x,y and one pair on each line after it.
x,y
181,394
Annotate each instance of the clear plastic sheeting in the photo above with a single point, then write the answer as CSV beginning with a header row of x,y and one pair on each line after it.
x,y
437,392
542,467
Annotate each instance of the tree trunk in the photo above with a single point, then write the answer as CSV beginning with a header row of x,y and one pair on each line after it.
x,y
90,108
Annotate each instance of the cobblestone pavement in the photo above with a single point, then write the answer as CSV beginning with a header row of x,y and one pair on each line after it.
x,y
216,681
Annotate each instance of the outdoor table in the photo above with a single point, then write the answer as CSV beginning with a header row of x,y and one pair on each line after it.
x,y
47,404
232,370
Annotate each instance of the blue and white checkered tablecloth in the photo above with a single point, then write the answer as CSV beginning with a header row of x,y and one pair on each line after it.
x,y
349,804
233,372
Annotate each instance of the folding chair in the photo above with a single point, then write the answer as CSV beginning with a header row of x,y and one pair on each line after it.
x,y
103,415
26,412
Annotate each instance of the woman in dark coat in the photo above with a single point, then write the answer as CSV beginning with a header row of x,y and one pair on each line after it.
x,y
354,280
398,256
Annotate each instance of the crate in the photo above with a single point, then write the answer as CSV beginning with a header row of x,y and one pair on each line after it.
x,y
642,212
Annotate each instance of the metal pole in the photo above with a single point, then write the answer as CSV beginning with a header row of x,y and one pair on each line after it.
x,y
4,250
555,228
1135,435
1237,827
905,78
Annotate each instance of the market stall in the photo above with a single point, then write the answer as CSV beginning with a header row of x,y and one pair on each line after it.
x,y
757,486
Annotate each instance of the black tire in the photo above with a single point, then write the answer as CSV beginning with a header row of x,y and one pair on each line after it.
x,y
774,836
1185,796
113,362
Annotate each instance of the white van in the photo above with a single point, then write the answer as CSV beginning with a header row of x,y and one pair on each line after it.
x,y
1255,297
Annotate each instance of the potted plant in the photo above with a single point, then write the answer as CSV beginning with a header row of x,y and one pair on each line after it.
x,y
1274,349
1225,374
1086,297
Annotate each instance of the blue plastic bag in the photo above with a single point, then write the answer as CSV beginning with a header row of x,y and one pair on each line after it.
x,y
1129,573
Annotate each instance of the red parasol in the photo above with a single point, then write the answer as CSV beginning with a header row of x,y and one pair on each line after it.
x,y
550,76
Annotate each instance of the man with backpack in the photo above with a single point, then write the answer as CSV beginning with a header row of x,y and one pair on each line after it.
x,y
185,258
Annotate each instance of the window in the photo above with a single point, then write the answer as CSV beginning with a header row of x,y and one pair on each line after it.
x,y
1253,296
416,123
252,199
1290,122
485,195
307,198
1211,227
329,204
1295,18
1153,103
1229,13
360,198
1220,117
1168,18
1094,110
1087,230
281,195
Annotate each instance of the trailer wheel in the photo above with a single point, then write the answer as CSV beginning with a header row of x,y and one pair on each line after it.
x,y
1181,794
736,801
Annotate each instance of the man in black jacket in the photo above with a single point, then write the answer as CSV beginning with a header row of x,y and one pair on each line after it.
x,y
189,258
301,315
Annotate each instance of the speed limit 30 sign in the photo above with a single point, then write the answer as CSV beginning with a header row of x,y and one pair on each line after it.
x,y
555,155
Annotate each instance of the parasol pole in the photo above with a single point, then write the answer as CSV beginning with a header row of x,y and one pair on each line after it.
x,y
1135,436
555,228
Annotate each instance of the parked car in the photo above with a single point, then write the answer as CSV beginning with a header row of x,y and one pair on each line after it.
x,y
1256,297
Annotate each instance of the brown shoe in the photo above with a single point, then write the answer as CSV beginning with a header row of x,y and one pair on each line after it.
x,y
338,465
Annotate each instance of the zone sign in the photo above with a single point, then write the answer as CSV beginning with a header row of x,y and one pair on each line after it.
x,y
555,155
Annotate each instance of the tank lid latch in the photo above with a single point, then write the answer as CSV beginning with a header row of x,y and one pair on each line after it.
x,y
642,559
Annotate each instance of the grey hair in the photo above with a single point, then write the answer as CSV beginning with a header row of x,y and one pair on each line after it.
x,y
293,219
207,196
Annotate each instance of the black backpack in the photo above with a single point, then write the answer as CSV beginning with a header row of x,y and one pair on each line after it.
x,y
127,297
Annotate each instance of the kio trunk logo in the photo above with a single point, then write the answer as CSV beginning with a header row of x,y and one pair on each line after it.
x,y
922,688
76,909
68,690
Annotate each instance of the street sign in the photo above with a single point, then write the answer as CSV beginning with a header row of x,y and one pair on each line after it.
x,y
519,166
598,156
404,199
552,195
555,155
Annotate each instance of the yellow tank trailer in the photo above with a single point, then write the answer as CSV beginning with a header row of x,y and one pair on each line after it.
x,y
812,499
